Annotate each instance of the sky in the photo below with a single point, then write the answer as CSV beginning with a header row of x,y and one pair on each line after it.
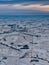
x,y
19,7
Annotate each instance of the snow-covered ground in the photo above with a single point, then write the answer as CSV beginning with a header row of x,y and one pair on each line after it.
x,y
24,44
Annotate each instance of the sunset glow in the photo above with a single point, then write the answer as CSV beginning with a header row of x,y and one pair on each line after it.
x,y
26,7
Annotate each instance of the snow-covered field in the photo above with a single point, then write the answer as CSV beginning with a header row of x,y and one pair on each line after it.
x,y
22,44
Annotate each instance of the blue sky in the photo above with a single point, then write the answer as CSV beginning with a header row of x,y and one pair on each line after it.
x,y
16,7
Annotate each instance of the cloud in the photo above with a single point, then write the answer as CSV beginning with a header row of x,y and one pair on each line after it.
x,y
39,7
24,6
31,7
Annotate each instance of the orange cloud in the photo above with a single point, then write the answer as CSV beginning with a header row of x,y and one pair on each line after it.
x,y
27,7
32,7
